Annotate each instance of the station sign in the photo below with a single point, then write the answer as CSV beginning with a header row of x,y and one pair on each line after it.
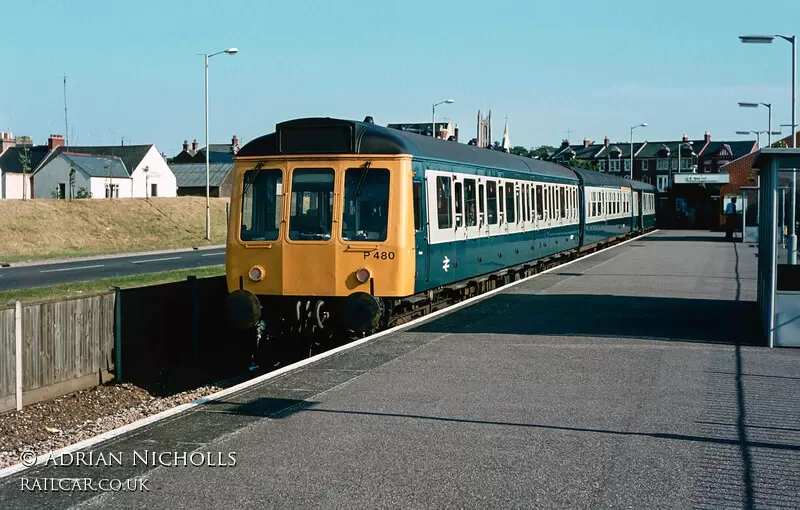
x,y
721,178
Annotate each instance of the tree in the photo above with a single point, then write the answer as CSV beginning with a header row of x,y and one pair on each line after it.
x,y
519,150
542,152
780,144
582,163
83,193
25,161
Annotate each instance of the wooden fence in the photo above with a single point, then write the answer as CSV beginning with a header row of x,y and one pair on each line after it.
x,y
72,344
66,346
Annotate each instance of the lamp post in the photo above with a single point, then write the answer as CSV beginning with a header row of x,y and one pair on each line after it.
x,y
767,39
433,116
769,126
643,124
757,133
229,51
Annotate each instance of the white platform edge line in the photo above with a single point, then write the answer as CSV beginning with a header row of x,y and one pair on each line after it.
x,y
288,368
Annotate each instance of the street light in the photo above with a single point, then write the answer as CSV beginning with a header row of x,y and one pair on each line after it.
x,y
433,115
769,126
229,51
757,133
643,124
767,39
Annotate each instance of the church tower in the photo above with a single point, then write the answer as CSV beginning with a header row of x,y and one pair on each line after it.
x,y
484,130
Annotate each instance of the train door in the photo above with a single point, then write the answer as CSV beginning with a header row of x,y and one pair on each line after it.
x,y
472,209
501,202
637,218
492,211
421,229
442,225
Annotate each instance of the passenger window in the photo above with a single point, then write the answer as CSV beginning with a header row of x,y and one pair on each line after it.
x,y
470,202
519,203
416,189
539,203
527,202
481,205
501,202
532,203
491,199
311,213
459,207
444,204
562,201
510,202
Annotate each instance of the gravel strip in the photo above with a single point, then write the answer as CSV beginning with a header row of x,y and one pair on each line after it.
x,y
53,424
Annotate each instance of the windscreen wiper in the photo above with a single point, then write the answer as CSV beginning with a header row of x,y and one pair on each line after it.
x,y
250,184
363,178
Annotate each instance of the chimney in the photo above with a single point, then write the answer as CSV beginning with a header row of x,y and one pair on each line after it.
x,y
708,137
123,142
564,143
164,155
7,141
606,141
586,142
234,145
194,145
186,145
55,141
456,132
685,138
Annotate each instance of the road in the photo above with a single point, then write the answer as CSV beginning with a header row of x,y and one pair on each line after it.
x,y
21,276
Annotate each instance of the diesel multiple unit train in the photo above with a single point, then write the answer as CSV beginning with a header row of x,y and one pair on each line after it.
x,y
340,226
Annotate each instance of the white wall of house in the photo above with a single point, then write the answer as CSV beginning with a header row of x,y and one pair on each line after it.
x,y
12,185
98,186
49,178
158,173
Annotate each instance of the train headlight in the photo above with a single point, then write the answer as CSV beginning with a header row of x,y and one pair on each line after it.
x,y
363,275
256,273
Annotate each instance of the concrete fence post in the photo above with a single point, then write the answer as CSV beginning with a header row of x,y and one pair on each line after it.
x,y
18,351
117,333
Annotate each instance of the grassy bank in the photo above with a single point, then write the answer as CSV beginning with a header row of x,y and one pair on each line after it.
x,y
45,229
68,290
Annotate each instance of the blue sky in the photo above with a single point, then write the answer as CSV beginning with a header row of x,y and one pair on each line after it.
x,y
595,68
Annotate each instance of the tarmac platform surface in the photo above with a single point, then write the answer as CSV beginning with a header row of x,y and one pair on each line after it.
x,y
635,378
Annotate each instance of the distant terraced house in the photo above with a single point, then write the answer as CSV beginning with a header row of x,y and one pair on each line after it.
x,y
56,171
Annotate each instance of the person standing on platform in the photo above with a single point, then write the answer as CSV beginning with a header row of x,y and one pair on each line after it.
x,y
730,219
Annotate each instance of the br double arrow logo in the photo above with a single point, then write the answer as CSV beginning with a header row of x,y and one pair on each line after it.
x,y
446,263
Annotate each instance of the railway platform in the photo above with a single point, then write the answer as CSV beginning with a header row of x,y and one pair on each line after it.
x,y
633,378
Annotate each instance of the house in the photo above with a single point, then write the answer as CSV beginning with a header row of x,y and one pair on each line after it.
x,y
71,174
150,175
16,178
689,181
191,179
220,153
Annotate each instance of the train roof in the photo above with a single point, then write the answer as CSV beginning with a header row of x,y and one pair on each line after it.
x,y
595,178
337,136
